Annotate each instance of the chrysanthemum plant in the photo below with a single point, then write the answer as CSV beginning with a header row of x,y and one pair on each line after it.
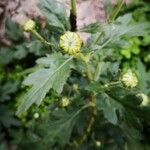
x,y
96,105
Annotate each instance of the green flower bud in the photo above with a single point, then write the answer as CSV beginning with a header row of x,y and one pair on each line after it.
x,y
129,79
98,143
75,87
145,99
36,115
65,102
106,85
147,58
71,43
29,26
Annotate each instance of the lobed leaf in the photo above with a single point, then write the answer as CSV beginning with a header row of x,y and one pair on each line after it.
x,y
45,79
109,107
55,13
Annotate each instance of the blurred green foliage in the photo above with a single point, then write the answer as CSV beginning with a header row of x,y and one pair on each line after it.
x,y
15,62
120,122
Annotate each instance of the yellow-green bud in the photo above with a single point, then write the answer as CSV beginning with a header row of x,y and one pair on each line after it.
x,y
98,143
129,79
71,43
65,102
29,26
106,85
75,87
36,115
145,99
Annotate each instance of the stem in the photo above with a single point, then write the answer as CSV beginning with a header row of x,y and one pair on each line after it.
x,y
88,129
46,43
117,10
100,35
75,143
91,121
74,7
111,84
89,74
73,15
97,71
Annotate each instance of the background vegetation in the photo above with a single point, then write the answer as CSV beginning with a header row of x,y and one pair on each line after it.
x,y
38,127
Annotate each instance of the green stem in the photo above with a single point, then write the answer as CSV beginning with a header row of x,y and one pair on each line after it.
x,y
98,38
91,121
111,84
73,15
97,71
88,129
117,10
46,43
75,143
74,7
89,74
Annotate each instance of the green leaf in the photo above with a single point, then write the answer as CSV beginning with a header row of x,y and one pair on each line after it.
x,y
116,31
60,129
138,29
13,30
61,125
109,107
112,33
130,101
126,53
143,76
92,28
20,52
7,117
36,48
126,97
124,28
55,13
45,79
93,87
7,89
109,71
125,19
6,56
